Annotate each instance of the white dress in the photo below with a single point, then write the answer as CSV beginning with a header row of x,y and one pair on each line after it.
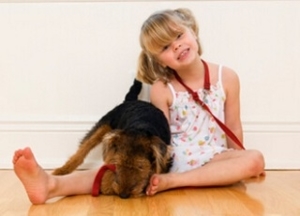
x,y
196,136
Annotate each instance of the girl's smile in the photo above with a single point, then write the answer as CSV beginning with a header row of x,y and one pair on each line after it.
x,y
183,54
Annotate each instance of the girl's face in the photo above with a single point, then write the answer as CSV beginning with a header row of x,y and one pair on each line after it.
x,y
181,52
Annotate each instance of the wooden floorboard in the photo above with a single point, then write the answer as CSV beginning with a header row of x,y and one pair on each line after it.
x,y
278,194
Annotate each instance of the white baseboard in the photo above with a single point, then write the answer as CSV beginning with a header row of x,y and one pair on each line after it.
x,y
55,140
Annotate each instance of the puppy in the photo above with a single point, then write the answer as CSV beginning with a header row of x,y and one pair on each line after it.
x,y
135,136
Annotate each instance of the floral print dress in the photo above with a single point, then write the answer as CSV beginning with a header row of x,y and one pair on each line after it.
x,y
196,136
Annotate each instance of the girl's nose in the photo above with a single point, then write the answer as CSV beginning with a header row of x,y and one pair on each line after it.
x,y
177,46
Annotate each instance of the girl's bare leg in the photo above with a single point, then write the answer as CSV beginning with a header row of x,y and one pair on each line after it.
x,y
224,169
41,186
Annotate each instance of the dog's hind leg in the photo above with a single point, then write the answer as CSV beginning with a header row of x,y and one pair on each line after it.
x,y
88,143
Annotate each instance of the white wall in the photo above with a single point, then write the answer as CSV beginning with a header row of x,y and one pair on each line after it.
x,y
63,65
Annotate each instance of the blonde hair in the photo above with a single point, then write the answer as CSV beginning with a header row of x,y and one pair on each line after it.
x,y
159,30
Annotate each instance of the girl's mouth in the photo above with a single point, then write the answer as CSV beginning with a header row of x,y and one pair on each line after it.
x,y
183,54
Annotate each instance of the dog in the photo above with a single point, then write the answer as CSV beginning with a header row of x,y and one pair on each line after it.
x,y
135,137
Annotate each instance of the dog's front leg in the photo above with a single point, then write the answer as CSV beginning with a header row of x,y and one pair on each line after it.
x,y
91,141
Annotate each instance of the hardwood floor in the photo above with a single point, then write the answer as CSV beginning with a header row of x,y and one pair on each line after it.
x,y
276,194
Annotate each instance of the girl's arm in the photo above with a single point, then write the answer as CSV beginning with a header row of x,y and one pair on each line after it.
x,y
161,97
232,105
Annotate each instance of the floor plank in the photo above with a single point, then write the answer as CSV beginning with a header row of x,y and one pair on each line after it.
x,y
277,194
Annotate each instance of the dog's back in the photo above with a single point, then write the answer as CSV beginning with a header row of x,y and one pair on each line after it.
x,y
139,116
134,115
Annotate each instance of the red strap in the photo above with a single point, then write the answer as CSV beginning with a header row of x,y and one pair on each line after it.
x,y
206,76
99,176
195,96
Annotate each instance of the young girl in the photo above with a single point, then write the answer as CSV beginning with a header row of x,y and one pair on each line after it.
x,y
203,156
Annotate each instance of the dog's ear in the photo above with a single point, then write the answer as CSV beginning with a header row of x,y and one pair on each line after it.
x,y
161,154
109,143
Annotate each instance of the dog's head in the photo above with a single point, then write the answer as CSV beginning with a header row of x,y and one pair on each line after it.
x,y
137,157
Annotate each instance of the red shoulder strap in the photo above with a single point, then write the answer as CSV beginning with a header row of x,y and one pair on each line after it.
x,y
195,96
206,76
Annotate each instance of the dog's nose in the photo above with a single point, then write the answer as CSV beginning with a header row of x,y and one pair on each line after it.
x,y
124,195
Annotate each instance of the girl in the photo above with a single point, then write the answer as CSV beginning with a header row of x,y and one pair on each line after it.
x,y
203,156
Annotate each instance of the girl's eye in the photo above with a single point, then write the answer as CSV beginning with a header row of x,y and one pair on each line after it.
x,y
165,47
179,35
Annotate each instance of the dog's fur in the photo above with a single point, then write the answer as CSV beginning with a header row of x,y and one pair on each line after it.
x,y
135,136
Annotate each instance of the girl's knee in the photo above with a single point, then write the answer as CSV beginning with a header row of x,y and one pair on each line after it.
x,y
256,162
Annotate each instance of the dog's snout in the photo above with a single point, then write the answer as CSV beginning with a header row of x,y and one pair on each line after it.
x,y
124,195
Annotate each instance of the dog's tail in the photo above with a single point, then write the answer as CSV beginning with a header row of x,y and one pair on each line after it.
x,y
134,91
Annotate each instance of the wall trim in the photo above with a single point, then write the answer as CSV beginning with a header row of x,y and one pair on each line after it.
x,y
70,129
268,126
46,126
83,124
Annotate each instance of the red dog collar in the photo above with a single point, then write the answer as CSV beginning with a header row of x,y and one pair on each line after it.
x,y
99,176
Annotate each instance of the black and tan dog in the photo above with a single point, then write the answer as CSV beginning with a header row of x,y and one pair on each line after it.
x,y
135,136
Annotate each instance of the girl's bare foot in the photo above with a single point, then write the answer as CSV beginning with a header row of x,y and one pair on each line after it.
x,y
158,182
38,184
